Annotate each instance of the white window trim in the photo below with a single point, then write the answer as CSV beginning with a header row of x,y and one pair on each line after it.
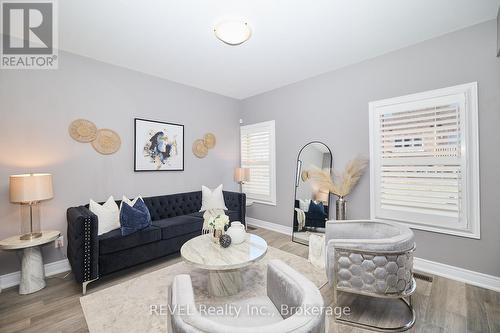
x,y
272,125
472,156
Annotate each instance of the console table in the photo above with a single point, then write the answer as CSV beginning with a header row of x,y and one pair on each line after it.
x,y
32,270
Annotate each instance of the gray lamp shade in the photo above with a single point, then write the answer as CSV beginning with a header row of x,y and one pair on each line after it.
x,y
30,187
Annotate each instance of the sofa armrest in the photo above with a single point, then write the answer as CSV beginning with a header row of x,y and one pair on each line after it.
x,y
236,201
83,244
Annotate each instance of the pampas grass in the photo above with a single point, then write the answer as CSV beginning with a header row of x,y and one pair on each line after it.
x,y
342,183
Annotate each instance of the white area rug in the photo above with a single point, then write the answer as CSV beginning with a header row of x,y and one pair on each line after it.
x,y
126,307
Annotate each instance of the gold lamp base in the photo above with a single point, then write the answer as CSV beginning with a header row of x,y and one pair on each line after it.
x,y
31,235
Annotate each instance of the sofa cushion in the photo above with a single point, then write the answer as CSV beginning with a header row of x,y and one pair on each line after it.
x,y
113,241
179,225
212,199
233,215
197,214
134,218
316,210
108,215
166,206
112,262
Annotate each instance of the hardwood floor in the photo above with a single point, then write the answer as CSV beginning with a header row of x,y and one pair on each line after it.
x,y
441,306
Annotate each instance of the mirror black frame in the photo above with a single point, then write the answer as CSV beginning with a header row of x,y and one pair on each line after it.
x,y
297,181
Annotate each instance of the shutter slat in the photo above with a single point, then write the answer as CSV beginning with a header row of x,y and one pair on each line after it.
x,y
424,185
420,181
427,168
418,131
434,123
387,121
452,208
421,210
424,148
420,194
416,114
418,200
450,152
430,137
424,141
412,175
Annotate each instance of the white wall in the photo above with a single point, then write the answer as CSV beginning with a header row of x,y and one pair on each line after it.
x,y
36,107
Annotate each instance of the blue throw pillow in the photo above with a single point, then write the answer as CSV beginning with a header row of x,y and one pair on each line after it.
x,y
134,218
316,209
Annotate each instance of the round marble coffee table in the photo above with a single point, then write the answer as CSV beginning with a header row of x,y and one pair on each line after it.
x,y
32,271
223,264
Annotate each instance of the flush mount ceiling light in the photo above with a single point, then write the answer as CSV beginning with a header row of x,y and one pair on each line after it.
x,y
233,32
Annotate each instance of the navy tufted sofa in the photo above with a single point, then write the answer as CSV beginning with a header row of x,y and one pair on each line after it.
x,y
176,219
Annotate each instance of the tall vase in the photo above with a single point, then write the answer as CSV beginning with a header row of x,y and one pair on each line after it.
x,y
341,208
216,235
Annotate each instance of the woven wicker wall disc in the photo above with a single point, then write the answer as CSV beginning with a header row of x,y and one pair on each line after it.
x,y
82,130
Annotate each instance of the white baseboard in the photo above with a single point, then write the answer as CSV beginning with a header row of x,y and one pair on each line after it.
x,y
282,229
52,268
459,274
423,265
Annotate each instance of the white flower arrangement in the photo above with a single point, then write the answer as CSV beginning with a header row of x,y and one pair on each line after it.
x,y
218,222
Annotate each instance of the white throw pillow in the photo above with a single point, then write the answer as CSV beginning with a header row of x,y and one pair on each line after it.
x,y
304,204
108,215
129,202
212,199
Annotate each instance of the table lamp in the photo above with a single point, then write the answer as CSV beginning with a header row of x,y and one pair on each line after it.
x,y
30,189
241,175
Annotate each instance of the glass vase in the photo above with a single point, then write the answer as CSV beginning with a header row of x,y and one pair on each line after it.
x,y
216,235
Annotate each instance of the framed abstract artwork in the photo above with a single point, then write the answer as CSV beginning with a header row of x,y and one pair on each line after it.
x,y
158,146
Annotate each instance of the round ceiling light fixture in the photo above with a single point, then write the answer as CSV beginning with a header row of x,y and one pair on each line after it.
x,y
233,32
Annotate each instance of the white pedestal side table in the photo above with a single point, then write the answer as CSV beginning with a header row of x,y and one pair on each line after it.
x,y
32,270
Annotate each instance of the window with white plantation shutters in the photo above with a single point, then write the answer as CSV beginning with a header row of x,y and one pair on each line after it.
x,y
258,154
424,169
420,160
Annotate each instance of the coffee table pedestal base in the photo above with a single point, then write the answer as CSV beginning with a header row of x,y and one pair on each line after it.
x,y
224,283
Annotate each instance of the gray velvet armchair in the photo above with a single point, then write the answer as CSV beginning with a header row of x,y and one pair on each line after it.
x,y
374,259
286,289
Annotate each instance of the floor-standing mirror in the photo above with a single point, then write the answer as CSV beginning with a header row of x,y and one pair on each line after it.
x,y
311,205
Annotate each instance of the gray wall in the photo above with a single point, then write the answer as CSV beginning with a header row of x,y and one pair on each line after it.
x,y
333,108
37,107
